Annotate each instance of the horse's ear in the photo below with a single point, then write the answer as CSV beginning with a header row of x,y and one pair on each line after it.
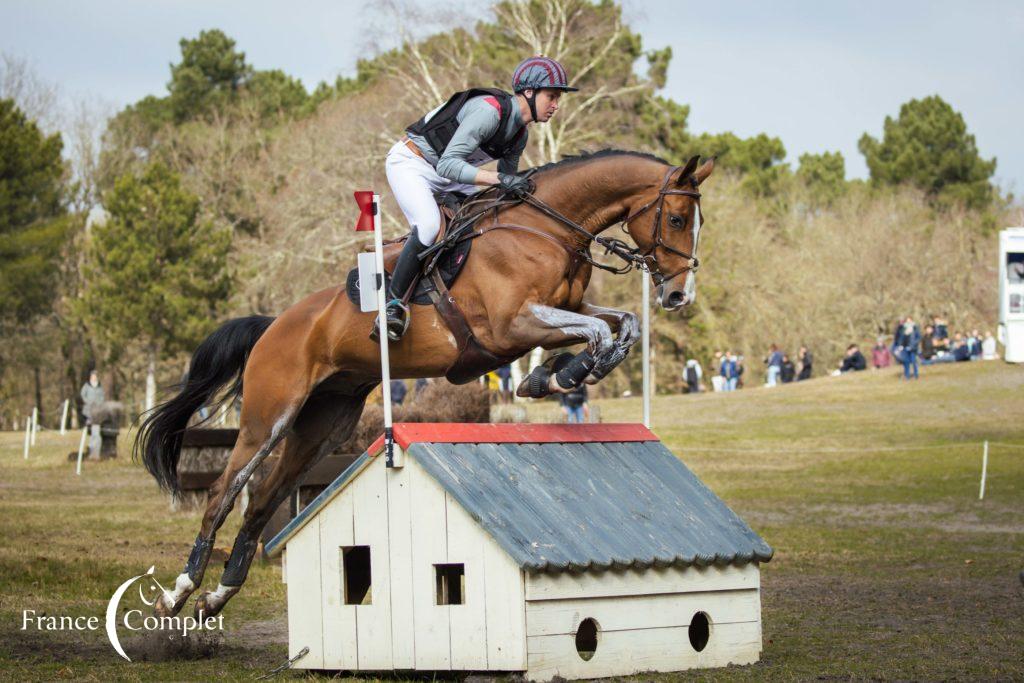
x,y
687,171
704,171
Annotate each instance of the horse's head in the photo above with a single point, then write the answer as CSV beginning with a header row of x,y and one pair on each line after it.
x,y
666,228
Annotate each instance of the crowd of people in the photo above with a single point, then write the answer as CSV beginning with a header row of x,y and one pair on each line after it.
x,y
910,346
728,368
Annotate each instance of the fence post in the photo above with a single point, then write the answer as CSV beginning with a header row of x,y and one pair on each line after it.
x,y
28,435
35,423
64,417
81,449
984,469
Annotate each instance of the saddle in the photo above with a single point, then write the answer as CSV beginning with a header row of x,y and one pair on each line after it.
x,y
440,270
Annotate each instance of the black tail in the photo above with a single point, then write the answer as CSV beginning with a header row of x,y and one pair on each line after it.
x,y
218,360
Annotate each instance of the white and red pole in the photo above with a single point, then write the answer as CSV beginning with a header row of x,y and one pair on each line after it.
x,y
369,205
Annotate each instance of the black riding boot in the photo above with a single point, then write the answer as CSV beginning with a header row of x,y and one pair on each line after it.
x,y
407,271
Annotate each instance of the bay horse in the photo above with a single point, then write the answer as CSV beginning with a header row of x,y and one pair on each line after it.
x,y
304,376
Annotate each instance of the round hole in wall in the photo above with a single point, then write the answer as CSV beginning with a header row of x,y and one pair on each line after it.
x,y
586,639
700,631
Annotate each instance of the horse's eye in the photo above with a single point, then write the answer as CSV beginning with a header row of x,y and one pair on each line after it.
x,y
675,221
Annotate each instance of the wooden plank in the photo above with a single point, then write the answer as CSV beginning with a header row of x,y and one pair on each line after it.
x,y
403,624
305,626
565,586
622,653
429,547
506,615
339,620
469,620
552,617
373,621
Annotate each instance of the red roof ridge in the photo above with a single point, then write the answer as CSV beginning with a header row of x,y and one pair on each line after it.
x,y
407,433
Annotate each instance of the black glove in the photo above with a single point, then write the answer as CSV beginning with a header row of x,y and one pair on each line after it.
x,y
514,184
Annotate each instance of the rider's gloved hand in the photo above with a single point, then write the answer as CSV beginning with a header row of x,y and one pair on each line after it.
x,y
514,184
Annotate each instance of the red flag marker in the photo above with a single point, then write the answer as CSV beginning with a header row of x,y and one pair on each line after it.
x,y
364,199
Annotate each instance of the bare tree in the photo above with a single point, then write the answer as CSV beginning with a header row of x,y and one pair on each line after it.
x,y
37,98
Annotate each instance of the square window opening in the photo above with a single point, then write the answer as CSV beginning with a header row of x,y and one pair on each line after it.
x,y
355,562
451,583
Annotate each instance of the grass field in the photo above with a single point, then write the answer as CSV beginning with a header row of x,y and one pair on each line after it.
x,y
887,566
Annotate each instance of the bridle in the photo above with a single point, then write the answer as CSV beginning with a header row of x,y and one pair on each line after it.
x,y
657,241
634,257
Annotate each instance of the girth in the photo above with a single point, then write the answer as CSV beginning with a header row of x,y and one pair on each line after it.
x,y
473,359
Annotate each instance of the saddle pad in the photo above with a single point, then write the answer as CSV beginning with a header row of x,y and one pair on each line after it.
x,y
449,264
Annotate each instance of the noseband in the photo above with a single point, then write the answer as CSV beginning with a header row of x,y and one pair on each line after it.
x,y
657,241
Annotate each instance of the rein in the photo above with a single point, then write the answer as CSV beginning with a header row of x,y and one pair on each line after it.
x,y
634,257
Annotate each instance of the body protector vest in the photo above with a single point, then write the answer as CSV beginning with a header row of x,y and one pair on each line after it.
x,y
439,130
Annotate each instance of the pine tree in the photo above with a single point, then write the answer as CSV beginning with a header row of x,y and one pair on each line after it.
x,y
156,273
928,146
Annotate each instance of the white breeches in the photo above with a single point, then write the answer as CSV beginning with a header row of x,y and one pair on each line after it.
x,y
413,183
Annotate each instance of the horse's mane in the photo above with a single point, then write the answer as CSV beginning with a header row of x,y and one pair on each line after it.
x,y
572,160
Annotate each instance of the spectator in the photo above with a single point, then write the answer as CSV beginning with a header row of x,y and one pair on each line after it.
x,y
960,350
880,356
421,384
806,364
717,380
941,334
774,361
729,372
692,374
909,343
93,398
988,347
398,391
505,383
895,336
854,360
928,345
575,405
739,371
788,370
974,343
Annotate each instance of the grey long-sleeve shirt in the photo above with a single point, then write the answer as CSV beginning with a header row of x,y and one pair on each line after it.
x,y
478,119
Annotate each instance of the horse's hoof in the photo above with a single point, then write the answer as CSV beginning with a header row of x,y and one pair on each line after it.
x,y
538,383
165,608
204,609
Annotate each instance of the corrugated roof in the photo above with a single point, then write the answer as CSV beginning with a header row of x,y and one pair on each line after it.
x,y
576,504
580,506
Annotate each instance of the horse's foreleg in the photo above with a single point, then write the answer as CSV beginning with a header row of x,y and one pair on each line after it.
x,y
552,328
326,421
627,327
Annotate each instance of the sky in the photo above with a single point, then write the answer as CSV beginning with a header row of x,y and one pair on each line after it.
x,y
818,75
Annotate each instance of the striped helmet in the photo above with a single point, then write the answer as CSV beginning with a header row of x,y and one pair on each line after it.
x,y
538,72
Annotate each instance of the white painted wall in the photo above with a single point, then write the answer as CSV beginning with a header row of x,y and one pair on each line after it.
x,y
410,524
642,633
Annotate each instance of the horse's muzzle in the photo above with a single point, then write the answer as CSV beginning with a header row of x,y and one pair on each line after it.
x,y
673,299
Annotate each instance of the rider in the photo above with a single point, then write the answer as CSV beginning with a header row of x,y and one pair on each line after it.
x,y
442,152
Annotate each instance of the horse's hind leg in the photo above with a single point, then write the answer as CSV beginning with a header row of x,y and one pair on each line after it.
x,y
326,421
256,439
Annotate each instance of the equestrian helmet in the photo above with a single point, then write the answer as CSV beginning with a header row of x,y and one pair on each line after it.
x,y
534,73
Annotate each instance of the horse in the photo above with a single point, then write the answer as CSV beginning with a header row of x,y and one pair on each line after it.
x,y
304,376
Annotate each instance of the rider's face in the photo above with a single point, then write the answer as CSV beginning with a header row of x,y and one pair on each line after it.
x,y
547,104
